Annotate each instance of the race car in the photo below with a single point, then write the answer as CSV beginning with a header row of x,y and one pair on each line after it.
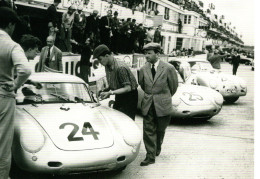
x,y
200,72
191,102
61,129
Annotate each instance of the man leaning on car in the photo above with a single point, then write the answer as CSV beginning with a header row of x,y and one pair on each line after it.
x,y
12,57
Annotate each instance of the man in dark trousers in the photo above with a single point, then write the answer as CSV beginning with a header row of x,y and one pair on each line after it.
x,y
52,14
159,82
235,62
92,28
157,38
105,28
86,52
121,81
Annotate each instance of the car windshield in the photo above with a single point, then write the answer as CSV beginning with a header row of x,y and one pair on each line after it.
x,y
54,93
200,66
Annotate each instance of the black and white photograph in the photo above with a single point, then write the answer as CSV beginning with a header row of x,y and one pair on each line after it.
x,y
128,89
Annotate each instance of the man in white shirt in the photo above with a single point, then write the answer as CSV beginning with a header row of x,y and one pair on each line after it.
x,y
12,58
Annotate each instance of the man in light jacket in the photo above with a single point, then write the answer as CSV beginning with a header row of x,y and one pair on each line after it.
x,y
159,82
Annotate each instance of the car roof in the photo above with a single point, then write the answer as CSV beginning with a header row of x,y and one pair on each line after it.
x,y
189,60
55,77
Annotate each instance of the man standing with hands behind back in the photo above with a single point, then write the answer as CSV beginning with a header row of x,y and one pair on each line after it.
x,y
159,82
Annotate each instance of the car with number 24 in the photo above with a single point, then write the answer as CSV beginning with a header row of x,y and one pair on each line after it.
x,y
61,129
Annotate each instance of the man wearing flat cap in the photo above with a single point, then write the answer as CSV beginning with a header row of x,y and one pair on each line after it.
x,y
12,57
121,81
159,82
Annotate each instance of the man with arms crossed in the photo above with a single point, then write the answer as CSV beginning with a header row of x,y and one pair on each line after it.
x,y
159,82
11,57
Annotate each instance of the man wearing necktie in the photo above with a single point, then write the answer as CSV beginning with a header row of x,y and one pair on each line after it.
x,y
50,58
159,82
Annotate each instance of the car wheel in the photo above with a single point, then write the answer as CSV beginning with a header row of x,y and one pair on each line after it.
x,y
252,68
16,172
120,169
231,99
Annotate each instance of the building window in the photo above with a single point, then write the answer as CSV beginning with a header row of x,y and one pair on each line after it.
x,y
167,13
187,19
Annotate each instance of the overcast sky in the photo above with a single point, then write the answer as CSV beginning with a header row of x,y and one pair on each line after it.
x,y
241,15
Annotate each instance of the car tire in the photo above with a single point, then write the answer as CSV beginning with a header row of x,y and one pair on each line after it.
x,y
230,100
253,69
119,170
17,173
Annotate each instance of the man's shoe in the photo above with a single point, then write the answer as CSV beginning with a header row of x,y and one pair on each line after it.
x,y
147,161
158,152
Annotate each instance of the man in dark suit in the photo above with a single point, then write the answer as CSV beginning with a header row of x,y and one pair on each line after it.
x,y
235,62
159,82
105,29
52,14
50,58
92,28
157,38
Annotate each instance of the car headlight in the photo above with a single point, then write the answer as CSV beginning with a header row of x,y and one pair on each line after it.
x,y
32,140
242,84
213,84
176,102
219,100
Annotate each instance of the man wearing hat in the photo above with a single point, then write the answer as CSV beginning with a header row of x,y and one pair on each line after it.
x,y
159,82
12,58
121,81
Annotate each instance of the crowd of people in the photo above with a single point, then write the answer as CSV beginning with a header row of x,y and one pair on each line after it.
x,y
75,28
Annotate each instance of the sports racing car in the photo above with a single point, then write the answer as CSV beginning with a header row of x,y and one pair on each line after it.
x,y
192,102
61,129
201,73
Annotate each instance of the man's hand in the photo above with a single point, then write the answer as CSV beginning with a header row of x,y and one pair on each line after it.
x,y
37,84
8,87
104,95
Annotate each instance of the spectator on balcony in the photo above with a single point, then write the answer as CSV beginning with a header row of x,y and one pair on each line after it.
x,y
140,7
105,29
141,33
157,35
79,27
52,14
149,35
156,12
125,4
179,26
66,27
151,12
115,31
92,28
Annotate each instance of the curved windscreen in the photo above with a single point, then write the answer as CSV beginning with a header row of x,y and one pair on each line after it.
x,y
53,93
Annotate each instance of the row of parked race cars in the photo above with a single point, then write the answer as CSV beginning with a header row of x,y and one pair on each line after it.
x,y
63,129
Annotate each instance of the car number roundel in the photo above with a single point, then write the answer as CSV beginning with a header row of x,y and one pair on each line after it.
x,y
86,129
193,97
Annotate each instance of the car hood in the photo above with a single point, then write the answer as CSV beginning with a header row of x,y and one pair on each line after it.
x,y
195,95
73,126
